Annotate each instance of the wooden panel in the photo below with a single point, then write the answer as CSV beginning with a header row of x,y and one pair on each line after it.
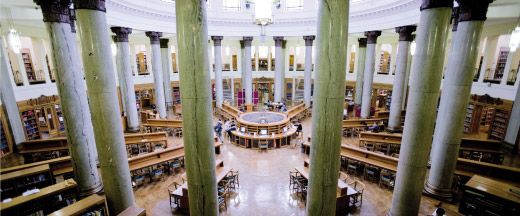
x,y
81,206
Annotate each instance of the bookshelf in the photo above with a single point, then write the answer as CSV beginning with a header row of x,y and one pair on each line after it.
x,y
59,114
484,115
47,200
384,63
501,63
489,115
92,205
142,66
176,95
30,124
473,118
6,144
17,182
498,126
388,100
138,100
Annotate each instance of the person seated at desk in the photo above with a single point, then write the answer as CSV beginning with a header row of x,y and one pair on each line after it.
x,y
374,127
365,124
345,112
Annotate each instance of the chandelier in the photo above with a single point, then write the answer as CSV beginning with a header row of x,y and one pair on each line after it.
x,y
263,16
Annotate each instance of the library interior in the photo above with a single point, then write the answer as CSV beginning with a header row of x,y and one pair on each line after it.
x,y
259,107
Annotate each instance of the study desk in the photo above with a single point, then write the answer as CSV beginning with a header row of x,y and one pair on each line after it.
x,y
484,196
343,195
163,123
182,191
368,157
251,141
354,123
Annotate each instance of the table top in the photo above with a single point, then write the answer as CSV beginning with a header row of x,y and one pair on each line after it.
x,y
493,187
79,207
371,161
221,173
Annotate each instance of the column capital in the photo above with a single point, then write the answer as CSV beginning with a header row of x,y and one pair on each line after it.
x,y
154,36
164,42
309,39
90,5
121,33
217,40
278,40
428,4
284,44
455,18
405,32
55,10
471,10
372,36
247,41
362,42
242,45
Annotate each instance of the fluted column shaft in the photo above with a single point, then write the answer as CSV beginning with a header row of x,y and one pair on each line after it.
x,y
307,76
360,70
73,100
405,38
455,97
370,60
422,103
160,101
327,112
126,78
167,69
248,75
278,76
219,91
102,93
192,38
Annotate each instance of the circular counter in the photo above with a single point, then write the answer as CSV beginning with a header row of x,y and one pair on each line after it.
x,y
262,122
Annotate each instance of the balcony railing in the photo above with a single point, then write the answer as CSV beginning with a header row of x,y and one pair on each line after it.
x,y
17,76
511,78
489,77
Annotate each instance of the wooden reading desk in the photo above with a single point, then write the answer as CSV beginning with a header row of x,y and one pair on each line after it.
x,y
163,123
354,123
251,141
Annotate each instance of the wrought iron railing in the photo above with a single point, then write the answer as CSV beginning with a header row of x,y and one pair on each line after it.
x,y
511,78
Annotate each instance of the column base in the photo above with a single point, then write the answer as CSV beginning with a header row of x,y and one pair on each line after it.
x,y
132,129
442,194
394,130
96,189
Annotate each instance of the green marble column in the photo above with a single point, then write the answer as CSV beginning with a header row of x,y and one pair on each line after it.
x,y
360,70
422,105
102,94
192,37
327,112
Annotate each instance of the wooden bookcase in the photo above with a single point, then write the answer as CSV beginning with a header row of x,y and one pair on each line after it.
x,y
498,125
6,139
48,200
17,182
473,118
176,95
501,63
142,65
42,117
92,205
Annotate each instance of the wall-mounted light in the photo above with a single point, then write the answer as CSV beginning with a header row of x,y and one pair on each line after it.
x,y
412,48
515,39
13,38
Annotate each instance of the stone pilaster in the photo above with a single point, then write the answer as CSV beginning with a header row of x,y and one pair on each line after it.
x,y
360,70
370,60
127,81
192,38
219,90
248,74
422,103
157,72
278,76
327,112
455,97
102,92
73,100
167,69
405,39
307,76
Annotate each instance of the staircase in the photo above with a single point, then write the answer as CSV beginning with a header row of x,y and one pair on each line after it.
x,y
298,89
226,88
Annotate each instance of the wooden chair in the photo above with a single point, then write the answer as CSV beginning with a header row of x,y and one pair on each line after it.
x,y
222,200
352,166
302,188
171,188
262,145
359,187
176,166
369,146
382,147
386,178
138,180
343,176
158,174
184,178
294,177
178,132
371,172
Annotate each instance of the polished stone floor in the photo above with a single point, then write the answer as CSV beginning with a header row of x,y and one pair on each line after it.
x,y
264,186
